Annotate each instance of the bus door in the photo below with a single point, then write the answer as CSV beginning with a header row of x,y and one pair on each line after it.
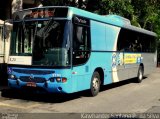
x,y
3,66
80,55
5,35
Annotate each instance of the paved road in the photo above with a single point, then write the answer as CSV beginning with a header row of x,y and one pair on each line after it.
x,y
123,97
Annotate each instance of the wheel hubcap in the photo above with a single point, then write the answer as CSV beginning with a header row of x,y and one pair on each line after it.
x,y
140,75
95,83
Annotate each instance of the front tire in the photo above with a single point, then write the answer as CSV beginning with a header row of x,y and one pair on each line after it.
x,y
95,84
140,74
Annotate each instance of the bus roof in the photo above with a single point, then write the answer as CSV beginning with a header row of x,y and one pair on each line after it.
x,y
108,19
111,19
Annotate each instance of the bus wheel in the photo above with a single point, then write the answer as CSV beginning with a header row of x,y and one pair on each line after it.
x,y
140,74
95,84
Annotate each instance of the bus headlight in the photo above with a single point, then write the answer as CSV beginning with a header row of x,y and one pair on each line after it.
x,y
12,77
52,79
58,79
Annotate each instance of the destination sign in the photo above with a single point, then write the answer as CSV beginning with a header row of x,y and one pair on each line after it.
x,y
42,14
38,13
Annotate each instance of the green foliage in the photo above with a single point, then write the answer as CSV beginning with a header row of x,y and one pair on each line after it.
x,y
141,13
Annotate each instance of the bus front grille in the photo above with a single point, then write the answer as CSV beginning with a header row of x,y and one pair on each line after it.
x,y
36,72
35,79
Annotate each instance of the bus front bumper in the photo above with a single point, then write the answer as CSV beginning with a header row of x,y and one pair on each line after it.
x,y
48,86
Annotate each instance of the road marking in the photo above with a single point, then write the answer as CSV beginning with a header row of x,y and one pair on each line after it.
x,y
17,106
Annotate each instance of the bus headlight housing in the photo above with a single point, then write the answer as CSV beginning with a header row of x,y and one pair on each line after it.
x,y
58,79
11,76
52,79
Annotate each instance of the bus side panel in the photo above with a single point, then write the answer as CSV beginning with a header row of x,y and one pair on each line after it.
x,y
122,71
149,62
112,33
100,58
81,77
98,36
131,63
104,39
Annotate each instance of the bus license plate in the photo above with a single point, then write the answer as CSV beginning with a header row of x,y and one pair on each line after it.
x,y
31,84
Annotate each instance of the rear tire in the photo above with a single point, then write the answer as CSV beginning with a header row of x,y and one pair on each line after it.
x,y
95,84
140,74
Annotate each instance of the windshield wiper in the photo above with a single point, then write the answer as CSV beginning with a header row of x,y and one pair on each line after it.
x,y
50,26
35,32
44,32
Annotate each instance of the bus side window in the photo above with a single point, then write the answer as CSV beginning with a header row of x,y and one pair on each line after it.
x,y
81,44
78,40
123,44
129,41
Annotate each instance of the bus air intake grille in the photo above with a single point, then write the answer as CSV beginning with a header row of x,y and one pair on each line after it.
x,y
36,72
35,79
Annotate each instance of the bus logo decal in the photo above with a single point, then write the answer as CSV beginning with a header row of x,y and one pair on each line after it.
x,y
31,77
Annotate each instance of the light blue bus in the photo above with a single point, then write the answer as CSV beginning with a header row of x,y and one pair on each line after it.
x,y
66,50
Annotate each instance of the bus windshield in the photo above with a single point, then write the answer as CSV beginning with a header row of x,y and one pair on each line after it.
x,y
47,41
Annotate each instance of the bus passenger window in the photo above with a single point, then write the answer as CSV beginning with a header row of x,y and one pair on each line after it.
x,y
129,41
